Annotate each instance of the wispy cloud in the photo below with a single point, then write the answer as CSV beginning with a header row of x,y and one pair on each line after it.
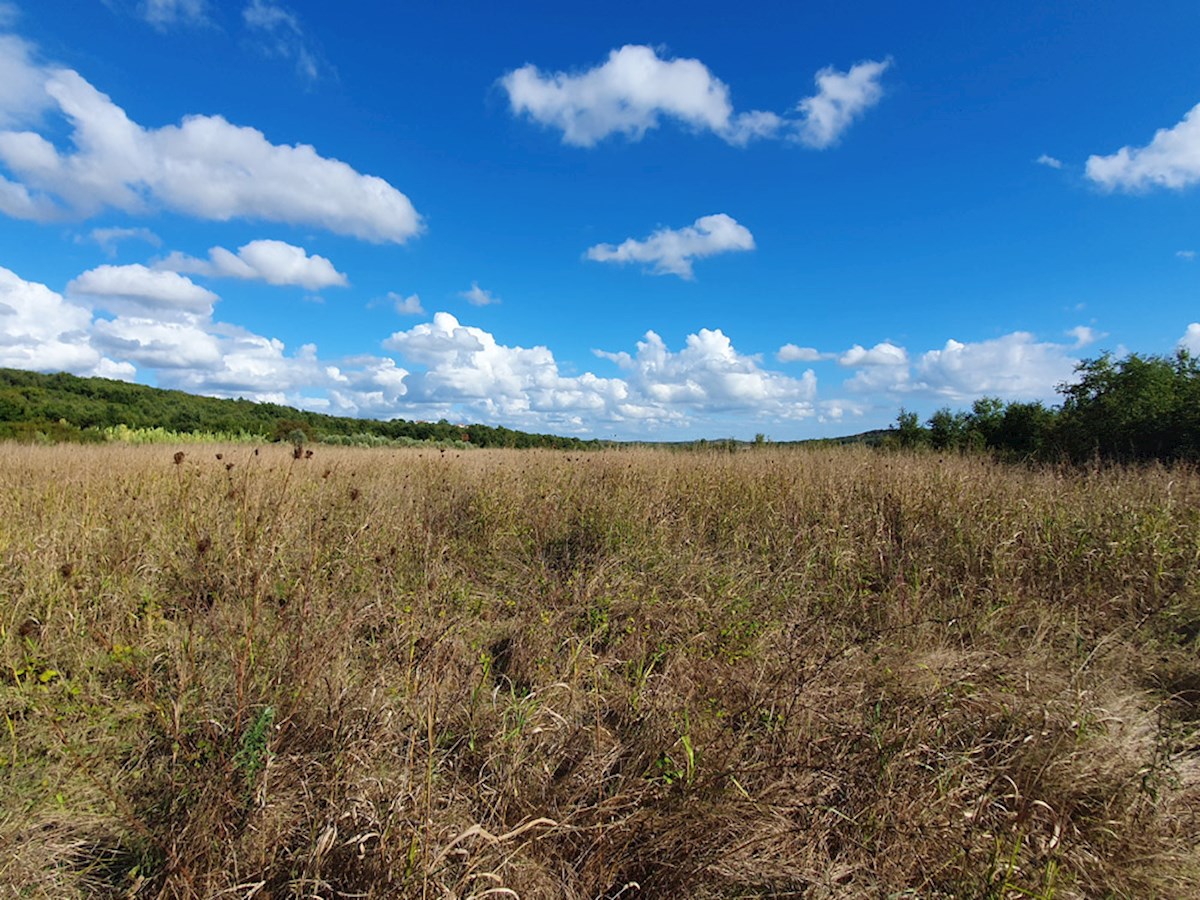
x,y
282,35
108,238
1186,255
671,251
406,306
165,14
841,98
1085,335
635,89
477,296
1045,160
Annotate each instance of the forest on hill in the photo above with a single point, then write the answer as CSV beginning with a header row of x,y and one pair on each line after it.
x,y
62,407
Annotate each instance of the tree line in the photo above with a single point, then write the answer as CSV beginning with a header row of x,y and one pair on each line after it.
x,y
1135,409
62,407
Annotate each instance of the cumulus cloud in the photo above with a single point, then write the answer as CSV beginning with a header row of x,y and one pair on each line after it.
x,y
1013,367
477,296
164,14
882,354
141,292
283,36
1049,161
108,238
671,251
1191,338
1084,335
635,89
841,98
40,330
709,374
274,262
406,306
792,353
205,167
1171,160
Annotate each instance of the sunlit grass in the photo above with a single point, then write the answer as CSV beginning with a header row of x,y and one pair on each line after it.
x,y
437,673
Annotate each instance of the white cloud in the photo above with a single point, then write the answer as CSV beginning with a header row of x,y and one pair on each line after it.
x,y
672,251
1191,338
477,296
22,93
1187,255
406,306
163,14
108,238
140,292
1084,335
708,375
791,353
39,330
204,167
157,344
882,354
283,36
635,89
1170,160
1013,367
1050,161
841,98
274,262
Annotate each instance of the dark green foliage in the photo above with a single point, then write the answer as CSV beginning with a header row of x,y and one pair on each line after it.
x,y
1137,409
61,407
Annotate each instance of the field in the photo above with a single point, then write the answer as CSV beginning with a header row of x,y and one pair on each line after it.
x,y
772,673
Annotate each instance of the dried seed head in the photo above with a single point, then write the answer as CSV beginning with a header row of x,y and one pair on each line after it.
x,y
179,455
66,570
203,545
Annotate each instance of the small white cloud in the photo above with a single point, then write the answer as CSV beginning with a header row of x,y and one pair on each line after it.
x,y
841,98
1191,339
1171,160
283,36
407,306
137,291
635,89
672,251
1050,161
1187,255
164,14
274,262
1084,335
108,238
882,354
791,353
204,167
477,296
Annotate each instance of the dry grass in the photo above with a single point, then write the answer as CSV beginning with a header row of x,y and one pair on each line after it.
x,y
629,674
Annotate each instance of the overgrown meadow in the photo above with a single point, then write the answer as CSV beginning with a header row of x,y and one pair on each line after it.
x,y
226,671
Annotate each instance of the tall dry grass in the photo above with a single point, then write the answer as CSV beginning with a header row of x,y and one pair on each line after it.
x,y
624,674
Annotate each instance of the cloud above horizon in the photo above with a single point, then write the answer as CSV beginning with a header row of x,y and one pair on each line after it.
x,y
635,89
1171,160
274,262
205,167
670,251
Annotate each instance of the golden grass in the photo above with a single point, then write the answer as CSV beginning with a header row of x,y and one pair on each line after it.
x,y
380,673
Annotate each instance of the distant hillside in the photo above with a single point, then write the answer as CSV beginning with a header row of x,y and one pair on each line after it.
x,y
67,407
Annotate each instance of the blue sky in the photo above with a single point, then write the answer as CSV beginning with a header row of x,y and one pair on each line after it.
x,y
669,222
